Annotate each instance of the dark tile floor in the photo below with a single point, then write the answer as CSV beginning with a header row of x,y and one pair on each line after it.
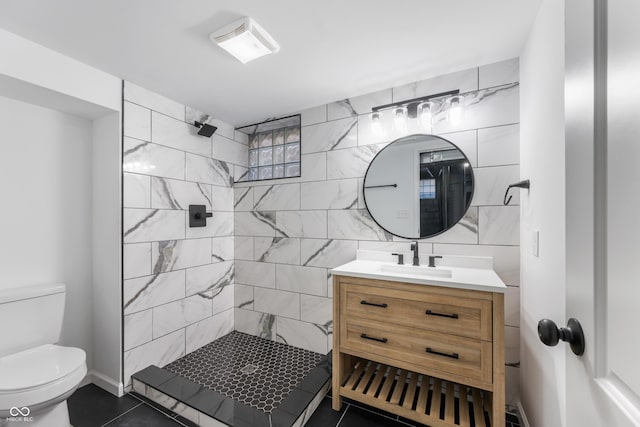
x,y
91,406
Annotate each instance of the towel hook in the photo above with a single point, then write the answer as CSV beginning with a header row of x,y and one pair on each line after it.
x,y
519,184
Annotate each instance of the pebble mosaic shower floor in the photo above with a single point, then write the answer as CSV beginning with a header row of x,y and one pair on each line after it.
x,y
257,372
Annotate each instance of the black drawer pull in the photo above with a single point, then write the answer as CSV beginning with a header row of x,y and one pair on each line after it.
x,y
383,305
452,355
433,313
367,337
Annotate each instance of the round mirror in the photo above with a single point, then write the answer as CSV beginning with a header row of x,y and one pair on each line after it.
x,y
418,186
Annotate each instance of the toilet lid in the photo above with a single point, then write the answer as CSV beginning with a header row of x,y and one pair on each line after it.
x,y
38,366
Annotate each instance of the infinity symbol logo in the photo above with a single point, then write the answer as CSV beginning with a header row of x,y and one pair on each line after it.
x,y
15,411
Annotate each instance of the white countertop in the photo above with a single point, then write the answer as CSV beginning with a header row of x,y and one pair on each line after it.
x,y
473,273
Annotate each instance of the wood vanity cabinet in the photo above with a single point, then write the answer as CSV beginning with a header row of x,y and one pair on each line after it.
x,y
431,354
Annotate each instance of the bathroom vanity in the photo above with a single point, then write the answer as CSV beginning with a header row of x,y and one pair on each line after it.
x,y
423,343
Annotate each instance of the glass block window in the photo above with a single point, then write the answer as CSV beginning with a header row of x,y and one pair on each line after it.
x,y
274,149
427,188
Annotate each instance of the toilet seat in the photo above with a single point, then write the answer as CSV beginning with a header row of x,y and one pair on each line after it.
x,y
41,374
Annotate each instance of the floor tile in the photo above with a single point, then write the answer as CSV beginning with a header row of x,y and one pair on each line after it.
x,y
324,416
144,416
364,406
91,406
358,417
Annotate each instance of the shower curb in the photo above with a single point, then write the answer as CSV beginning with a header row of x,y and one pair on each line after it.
x,y
209,408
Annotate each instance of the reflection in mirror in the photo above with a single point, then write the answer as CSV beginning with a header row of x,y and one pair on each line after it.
x,y
418,186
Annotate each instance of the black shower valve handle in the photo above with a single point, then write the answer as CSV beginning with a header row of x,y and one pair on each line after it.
x,y
198,215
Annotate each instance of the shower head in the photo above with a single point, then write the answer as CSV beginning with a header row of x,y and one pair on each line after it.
x,y
205,129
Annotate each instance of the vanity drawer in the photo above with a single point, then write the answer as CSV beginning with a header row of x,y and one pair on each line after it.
x,y
461,316
458,356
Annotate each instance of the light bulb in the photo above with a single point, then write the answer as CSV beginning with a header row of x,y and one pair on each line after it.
x,y
376,124
455,110
425,114
400,119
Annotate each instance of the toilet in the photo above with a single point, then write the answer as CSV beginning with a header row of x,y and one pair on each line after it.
x,y
36,375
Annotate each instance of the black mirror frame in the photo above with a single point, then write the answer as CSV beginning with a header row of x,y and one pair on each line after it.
x,y
364,196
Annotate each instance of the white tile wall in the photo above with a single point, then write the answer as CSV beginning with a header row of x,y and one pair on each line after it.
x,y
145,292
280,303
137,260
175,194
153,101
158,352
137,190
178,288
499,73
209,277
499,145
138,329
178,314
177,134
328,136
145,225
152,159
313,115
137,122
169,255
358,104
465,81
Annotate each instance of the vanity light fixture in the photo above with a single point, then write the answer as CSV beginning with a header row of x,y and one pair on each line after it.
x,y
376,124
425,114
422,108
455,110
245,40
400,116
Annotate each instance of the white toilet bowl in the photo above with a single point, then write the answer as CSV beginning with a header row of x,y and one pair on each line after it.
x,y
40,379
36,376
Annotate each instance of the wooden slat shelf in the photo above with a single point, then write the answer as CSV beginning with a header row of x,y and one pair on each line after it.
x,y
414,396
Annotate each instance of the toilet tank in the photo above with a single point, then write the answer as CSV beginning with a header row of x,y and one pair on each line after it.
x,y
30,316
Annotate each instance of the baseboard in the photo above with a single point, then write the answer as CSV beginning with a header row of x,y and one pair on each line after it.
x,y
523,416
104,382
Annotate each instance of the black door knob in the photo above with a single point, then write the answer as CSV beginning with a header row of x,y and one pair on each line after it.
x,y
550,334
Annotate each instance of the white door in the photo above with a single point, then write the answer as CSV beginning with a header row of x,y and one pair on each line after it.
x,y
603,210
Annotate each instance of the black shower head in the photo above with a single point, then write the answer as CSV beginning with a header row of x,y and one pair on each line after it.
x,y
205,129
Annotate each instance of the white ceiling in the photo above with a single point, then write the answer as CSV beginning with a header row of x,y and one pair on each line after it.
x,y
330,49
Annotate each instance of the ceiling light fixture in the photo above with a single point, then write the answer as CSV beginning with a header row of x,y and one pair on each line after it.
x,y
245,40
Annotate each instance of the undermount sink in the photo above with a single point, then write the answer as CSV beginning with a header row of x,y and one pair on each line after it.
x,y
416,270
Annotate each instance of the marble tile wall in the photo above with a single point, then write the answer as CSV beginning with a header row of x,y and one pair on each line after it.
x,y
178,289
289,233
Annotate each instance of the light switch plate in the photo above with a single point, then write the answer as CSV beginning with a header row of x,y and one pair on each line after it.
x,y
403,213
535,243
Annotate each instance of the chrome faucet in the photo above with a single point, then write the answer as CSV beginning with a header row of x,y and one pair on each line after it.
x,y
414,248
